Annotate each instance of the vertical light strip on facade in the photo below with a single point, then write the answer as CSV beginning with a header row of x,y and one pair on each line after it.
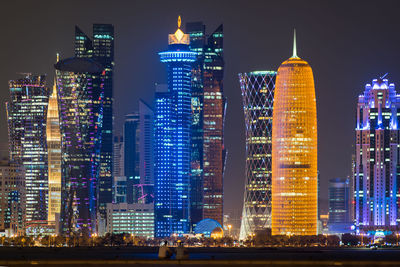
x,y
53,156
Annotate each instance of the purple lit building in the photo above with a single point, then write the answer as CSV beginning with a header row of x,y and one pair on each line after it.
x,y
80,95
376,185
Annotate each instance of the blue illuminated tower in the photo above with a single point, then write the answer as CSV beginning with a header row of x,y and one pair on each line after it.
x,y
172,139
376,177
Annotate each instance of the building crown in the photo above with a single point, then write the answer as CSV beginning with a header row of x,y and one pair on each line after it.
x,y
179,37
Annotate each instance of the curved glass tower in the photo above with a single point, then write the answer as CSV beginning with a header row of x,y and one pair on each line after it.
x,y
172,139
258,97
80,95
294,150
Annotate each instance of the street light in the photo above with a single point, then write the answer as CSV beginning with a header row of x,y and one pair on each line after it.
x,y
229,229
93,237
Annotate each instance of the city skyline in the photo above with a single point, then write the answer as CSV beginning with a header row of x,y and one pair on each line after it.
x,y
325,76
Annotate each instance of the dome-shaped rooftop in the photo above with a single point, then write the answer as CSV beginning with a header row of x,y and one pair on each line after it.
x,y
79,65
206,227
217,233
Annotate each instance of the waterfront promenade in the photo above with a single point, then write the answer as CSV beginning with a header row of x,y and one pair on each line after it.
x,y
147,256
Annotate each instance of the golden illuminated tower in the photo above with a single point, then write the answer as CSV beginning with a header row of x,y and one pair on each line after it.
x,y
294,150
54,156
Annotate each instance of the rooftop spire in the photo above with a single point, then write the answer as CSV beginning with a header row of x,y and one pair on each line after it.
x,y
294,45
55,86
179,37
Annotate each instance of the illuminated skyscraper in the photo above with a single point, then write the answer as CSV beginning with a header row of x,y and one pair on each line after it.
x,y
146,155
258,98
294,150
26,115
12,198
118,156
214,107
376,175
80,100
196,31
172,139
339,202
101,49
131,155
54,156
207,131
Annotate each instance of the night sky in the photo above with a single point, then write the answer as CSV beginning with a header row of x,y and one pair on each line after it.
x,y
347,44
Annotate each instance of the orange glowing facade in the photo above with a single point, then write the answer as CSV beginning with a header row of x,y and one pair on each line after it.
x,y
53,136
294,150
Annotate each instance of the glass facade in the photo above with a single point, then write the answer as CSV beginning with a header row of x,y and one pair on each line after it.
x,y
339,201
131,154
258,97
118,156
26,116
12,198
172,139
208,113
376,170
146,155
101,49
294,150
196,31
80,101
53,156
214,108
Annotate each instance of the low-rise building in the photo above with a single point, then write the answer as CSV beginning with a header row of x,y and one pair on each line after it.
x,y
136,219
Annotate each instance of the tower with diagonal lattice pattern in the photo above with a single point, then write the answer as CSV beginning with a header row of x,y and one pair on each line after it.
x,y
258,96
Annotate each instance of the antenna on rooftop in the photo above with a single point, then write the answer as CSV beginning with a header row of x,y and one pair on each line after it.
x,y
382,77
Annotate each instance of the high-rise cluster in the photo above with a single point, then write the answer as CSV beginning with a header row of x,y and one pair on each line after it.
x,y
62,139
189,122
281,150
166,169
